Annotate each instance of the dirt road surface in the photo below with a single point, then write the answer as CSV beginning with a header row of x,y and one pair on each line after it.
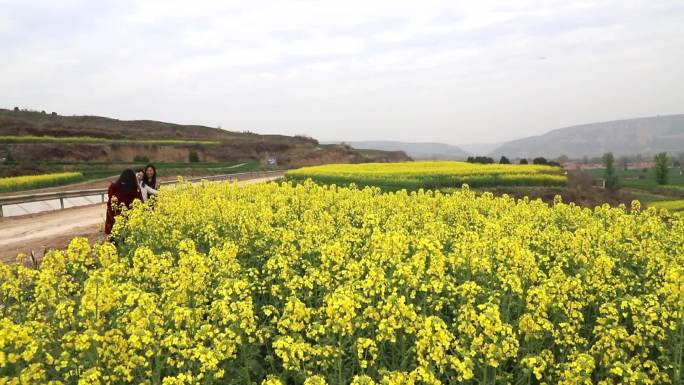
x,y
40,232
48,230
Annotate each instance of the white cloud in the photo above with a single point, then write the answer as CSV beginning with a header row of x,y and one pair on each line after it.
x,y
455,71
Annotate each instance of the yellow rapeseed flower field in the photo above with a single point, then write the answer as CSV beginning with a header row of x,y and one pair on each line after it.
x,y
279,284
431,174
676,206
16,183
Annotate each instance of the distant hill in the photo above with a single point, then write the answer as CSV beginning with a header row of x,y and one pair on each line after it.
x,y
622,137
480,148
291,151
25,123
414,150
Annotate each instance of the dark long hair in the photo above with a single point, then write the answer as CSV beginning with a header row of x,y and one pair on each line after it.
x,y
127,181
152,182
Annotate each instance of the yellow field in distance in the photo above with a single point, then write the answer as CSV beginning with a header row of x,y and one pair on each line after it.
x,y
26,182
432,174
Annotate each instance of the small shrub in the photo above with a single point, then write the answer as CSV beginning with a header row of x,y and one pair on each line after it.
x,y
609,174
661,163
480,159
193,157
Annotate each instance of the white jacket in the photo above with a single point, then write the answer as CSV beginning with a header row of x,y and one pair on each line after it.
x,y
146,191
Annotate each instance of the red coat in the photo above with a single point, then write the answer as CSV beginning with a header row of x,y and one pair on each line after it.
x,y
122,197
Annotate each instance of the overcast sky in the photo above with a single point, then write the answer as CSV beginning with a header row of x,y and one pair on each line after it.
x,y
453,71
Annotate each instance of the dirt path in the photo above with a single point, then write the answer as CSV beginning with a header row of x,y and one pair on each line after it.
x,y
54,229
48,230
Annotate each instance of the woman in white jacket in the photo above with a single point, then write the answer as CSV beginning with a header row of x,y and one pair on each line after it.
x,y
150,176
145,190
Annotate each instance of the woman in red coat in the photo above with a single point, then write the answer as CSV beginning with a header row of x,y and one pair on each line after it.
x,y
122,192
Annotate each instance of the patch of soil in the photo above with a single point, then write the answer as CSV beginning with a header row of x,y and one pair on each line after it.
x,y
37,247
579,189
100,152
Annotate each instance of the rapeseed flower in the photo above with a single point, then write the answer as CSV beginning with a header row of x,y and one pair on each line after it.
x,y
307,284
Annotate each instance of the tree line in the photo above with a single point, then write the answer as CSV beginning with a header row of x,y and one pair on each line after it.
x,y
504,160
662,164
